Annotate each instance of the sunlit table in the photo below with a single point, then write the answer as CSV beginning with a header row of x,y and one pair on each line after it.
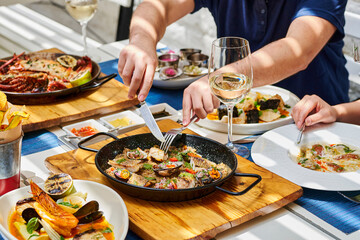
x,y
17,34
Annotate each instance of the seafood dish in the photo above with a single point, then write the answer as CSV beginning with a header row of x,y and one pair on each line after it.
x,y
58,212
254,108
180,168
35,74
329,157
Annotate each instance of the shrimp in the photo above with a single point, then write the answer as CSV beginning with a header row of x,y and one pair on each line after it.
x,y
49,211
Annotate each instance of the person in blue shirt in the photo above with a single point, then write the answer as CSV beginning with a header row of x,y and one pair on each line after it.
x,y
296,45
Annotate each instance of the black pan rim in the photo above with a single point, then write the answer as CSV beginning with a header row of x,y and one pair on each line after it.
x,y
213,184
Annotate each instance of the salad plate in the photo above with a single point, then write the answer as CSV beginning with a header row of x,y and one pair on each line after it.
x,y
289,99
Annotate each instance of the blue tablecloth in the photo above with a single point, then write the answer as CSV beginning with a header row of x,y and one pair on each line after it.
x,y
327,205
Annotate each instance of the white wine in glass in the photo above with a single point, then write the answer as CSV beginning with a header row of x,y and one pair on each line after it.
x,y
231,78
82,11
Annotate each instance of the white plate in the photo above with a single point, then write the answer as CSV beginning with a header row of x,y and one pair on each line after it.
x,y
174,115
91,122
256,128
109,201
134,118
275,150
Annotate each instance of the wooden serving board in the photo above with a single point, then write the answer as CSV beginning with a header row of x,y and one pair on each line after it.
x,y
110,97
201,218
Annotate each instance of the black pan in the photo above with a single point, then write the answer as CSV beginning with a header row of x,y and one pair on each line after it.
x,y
48,97
208,148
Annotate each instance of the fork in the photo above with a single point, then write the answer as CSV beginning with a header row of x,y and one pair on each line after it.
x,y
300,133
172,133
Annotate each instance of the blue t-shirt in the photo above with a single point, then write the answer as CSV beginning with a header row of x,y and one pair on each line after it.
x,y
264,21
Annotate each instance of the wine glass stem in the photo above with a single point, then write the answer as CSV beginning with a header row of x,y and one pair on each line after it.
x,y
83,30
230,108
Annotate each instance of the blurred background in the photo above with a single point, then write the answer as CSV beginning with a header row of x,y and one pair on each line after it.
x,y
197,30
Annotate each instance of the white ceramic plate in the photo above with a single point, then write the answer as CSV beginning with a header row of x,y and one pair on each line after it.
x,y
109,201
91,122
174,115
275,150
135,119
256,128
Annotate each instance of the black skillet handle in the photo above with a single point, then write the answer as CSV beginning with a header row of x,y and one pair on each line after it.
x,y
94,136
247,189
99,81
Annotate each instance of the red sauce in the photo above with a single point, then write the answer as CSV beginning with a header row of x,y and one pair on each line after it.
x,y
84,131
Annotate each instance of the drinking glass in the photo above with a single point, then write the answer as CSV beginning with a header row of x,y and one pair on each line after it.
x,y
82,11
230,78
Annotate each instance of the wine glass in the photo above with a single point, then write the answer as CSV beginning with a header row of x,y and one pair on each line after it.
x,y
82,11
230,78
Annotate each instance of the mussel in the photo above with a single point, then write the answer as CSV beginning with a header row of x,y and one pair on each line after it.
x,y
89,212
208,176
122,174
136,154
30,213
166,169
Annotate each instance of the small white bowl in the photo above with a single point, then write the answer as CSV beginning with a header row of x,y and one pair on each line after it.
x,y
173,114
134,118
91,122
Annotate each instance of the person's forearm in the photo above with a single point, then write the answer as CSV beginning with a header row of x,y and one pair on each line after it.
x,y
151,18
287,56
348,112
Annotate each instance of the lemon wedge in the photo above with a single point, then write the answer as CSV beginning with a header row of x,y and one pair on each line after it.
x,y
67,61
81,78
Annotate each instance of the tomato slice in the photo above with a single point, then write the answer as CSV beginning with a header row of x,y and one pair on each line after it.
x,y
173,159
190,170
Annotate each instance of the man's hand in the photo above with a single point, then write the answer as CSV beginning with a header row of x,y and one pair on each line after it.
x,y
137,63
199,99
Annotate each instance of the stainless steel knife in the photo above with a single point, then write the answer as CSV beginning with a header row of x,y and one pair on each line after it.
x,y
150,121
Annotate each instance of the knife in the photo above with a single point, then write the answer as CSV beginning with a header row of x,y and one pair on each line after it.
x,y
150,121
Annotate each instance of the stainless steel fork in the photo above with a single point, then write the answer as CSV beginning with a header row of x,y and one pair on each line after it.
x,y
172,133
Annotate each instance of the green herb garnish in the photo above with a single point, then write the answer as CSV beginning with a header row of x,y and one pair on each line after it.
x,y
68,204
32,225
120,160
287,106
147,166
283,116
107,230
33,235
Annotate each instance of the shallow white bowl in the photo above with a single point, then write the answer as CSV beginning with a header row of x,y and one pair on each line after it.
x,y
91,122
109,201
135,119
174,115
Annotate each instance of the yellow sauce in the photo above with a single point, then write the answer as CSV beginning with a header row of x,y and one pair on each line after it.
x,y
121,122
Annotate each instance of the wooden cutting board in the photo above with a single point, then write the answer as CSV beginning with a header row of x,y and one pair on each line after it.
x,y
110,97
201,218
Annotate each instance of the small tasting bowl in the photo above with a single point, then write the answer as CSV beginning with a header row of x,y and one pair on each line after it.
x,y
198,59
169,59
186,52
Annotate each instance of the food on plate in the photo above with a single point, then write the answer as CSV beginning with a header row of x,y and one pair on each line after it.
x,y
84,131
59,185
180,168
254,108
329,157
121,122
192,70
29,74
40,217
